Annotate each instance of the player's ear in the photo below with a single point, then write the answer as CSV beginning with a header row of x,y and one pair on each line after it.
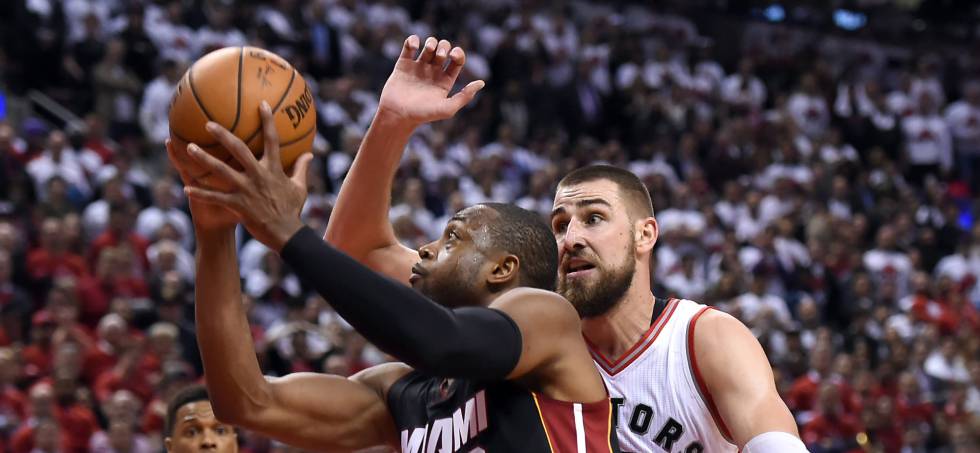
x,y
168,444
504,270
646,232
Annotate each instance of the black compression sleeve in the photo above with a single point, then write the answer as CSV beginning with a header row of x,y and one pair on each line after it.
x,y
471,342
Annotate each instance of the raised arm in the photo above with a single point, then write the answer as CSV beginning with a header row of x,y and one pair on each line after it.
x,y
740,388
310,411
415,93
509,340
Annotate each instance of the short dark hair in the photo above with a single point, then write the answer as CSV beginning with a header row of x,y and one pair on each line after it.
x,y
190,394
526,235
631,188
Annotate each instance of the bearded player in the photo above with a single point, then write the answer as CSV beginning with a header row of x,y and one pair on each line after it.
x,y
684,377
494,359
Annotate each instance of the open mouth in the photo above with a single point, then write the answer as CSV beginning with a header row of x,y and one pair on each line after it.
x,y
577,267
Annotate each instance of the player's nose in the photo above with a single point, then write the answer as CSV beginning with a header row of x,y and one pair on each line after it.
x,y
573,238
426,251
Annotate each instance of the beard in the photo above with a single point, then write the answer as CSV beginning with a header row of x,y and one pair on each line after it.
x,y
599,293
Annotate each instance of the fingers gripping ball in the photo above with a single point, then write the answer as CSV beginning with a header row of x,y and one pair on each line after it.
x,y
227,86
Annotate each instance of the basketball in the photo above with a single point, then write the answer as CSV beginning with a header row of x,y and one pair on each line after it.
x,y
227,86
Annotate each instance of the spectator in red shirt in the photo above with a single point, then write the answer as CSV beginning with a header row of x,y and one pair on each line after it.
x,y
113,278
36,355
120,233
52,259
64,309
13,403
884,427
831,429
125,375
910,406
75,423
112,337
162,347
803,394
175,377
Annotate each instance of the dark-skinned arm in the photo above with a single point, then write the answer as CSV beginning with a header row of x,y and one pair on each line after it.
x,y
416,92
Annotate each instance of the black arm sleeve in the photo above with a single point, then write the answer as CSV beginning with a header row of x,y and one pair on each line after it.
x,y
470,342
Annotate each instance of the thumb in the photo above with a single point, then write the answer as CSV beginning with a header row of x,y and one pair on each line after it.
x,y
301,170
466,95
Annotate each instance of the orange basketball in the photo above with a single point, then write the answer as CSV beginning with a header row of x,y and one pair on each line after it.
x,y
227,86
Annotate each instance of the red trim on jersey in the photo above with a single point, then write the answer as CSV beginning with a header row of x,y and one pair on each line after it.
x,y
558,418
613,367
708,399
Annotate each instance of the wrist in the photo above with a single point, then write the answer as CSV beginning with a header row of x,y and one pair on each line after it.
x,y
206,236
282,232
394,121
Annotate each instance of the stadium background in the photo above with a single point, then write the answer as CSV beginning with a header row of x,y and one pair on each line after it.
x,y
813,167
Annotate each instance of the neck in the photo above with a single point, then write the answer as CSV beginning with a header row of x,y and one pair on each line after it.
x,y
614,332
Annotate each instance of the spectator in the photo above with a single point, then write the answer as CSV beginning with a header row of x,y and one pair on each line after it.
x,y
116,89
120,234
154,109
844,234
165,210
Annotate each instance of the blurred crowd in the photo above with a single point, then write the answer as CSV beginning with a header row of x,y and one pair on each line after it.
x,y
819,185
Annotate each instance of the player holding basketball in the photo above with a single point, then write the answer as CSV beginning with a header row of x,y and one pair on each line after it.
x,y
684,378
499,360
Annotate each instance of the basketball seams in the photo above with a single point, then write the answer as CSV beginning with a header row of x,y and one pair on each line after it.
x,y
275,108
200,105
190,82
298,139
238,101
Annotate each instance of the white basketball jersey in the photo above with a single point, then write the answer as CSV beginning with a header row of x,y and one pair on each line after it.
x,y
658,397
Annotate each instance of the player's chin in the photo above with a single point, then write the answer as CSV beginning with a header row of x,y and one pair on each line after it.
x,y
572,288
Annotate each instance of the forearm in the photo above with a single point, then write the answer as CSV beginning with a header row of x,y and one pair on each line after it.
x,y
233,376
468,342
359,222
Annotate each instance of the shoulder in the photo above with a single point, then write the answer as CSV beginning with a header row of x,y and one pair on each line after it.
x,y
716,330
525,305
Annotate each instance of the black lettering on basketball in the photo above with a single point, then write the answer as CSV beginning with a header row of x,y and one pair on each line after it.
x,y
616,404
293,115
695,447
640,421
296,110
254,53
669,434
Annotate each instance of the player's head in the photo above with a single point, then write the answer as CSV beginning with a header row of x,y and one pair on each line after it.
x,y
485,249
191,426
603,223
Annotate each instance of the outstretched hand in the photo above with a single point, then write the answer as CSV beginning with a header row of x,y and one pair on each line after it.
x,y
207,218
417,91
263,196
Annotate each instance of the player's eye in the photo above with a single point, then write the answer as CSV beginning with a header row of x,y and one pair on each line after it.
x,y
190,432
221,430
593,219
560,227
453,236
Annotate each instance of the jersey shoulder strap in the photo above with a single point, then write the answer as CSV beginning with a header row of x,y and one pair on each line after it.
x,y
659,305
